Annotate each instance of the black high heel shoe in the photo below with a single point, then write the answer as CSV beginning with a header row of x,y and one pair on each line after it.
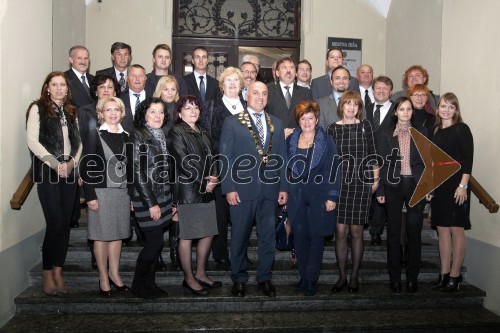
x,y
201,292
215,284
353,287
441,282
337,287
123,288
105,293
453,284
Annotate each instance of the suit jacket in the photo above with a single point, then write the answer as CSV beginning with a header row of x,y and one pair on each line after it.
x,y
152,82
128,121
87,121
322,87
79,94
211,88
276,104
328,111
111,72
380,131
238,145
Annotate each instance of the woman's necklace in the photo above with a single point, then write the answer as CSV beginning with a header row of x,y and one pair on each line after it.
x,y
233,106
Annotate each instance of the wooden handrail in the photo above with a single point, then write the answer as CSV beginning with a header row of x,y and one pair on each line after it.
x,y
27,184
483,196
22,191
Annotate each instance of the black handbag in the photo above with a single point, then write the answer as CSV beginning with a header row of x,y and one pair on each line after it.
x,y
284,236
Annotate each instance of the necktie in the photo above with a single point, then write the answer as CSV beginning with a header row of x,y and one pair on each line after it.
x,y
202,88
137,101
85,84
376,116
260,127
288,97
368,101
122,82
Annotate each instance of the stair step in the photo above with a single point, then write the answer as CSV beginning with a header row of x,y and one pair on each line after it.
x,y
371,296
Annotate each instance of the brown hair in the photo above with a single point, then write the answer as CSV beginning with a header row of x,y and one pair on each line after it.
x,y
415,68
305,107
347,97
452,99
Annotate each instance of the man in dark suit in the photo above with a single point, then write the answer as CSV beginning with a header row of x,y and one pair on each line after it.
x,y
121,54
79,80
162,58
364,74
284,96
136,82
256,137
199,83
328,104
379,114
320,86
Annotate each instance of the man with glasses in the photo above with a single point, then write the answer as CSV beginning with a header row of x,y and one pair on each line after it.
x,y
249,71
304,70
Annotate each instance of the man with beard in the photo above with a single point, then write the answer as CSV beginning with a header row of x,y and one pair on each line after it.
x,y
328,105
284,96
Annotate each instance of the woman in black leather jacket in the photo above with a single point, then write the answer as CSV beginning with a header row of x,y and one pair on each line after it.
x,y
196,179
149,190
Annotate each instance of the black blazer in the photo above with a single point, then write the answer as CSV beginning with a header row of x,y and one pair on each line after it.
x,y
379,132
152,82
276,104
211,87
79,94
391,170
87,121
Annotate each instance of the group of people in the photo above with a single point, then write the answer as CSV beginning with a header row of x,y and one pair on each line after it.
x,y
192,154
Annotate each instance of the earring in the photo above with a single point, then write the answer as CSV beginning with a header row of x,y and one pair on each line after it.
x,y
48,94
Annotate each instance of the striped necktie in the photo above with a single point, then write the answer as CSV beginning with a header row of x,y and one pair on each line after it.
x,y
260,127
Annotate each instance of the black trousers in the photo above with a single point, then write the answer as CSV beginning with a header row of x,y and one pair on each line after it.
x,y
395,196
378,218
57,199
219,244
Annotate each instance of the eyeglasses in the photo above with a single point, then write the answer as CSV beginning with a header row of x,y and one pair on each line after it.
x,y
112,110
304,70
190,108
419,95
249,72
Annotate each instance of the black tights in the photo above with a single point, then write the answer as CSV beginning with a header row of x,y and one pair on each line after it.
x,y
356,232
153,246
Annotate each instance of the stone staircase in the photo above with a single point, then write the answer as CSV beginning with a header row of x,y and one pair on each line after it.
x,y
374,308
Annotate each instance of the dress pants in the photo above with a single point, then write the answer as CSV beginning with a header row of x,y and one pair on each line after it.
x,y
57,199
395,196
378,218
308,244
219,243
242,217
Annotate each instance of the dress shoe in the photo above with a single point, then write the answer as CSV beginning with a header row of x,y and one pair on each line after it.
x,y
411,286
353,286
104,293
395,287
223,263
337,287
453,284
201,292
441,282
215,284
123,288
267,288
301,286
376,240
239,289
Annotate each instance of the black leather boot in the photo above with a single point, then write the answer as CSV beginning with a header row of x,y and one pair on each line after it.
x,y
139,284
173,239
442,281
151,283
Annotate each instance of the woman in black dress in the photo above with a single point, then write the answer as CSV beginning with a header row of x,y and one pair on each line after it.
x,y
356,146
451,202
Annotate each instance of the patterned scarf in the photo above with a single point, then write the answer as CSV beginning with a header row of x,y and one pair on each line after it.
x,y
160,137
402,131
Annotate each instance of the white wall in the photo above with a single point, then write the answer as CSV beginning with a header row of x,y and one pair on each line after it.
x,y
141,24
470,69
342,18
25,60
414,38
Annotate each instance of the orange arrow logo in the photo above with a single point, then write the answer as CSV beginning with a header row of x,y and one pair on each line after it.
x,y
439,166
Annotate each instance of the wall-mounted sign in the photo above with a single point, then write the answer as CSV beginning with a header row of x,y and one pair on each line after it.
x,y
351,48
